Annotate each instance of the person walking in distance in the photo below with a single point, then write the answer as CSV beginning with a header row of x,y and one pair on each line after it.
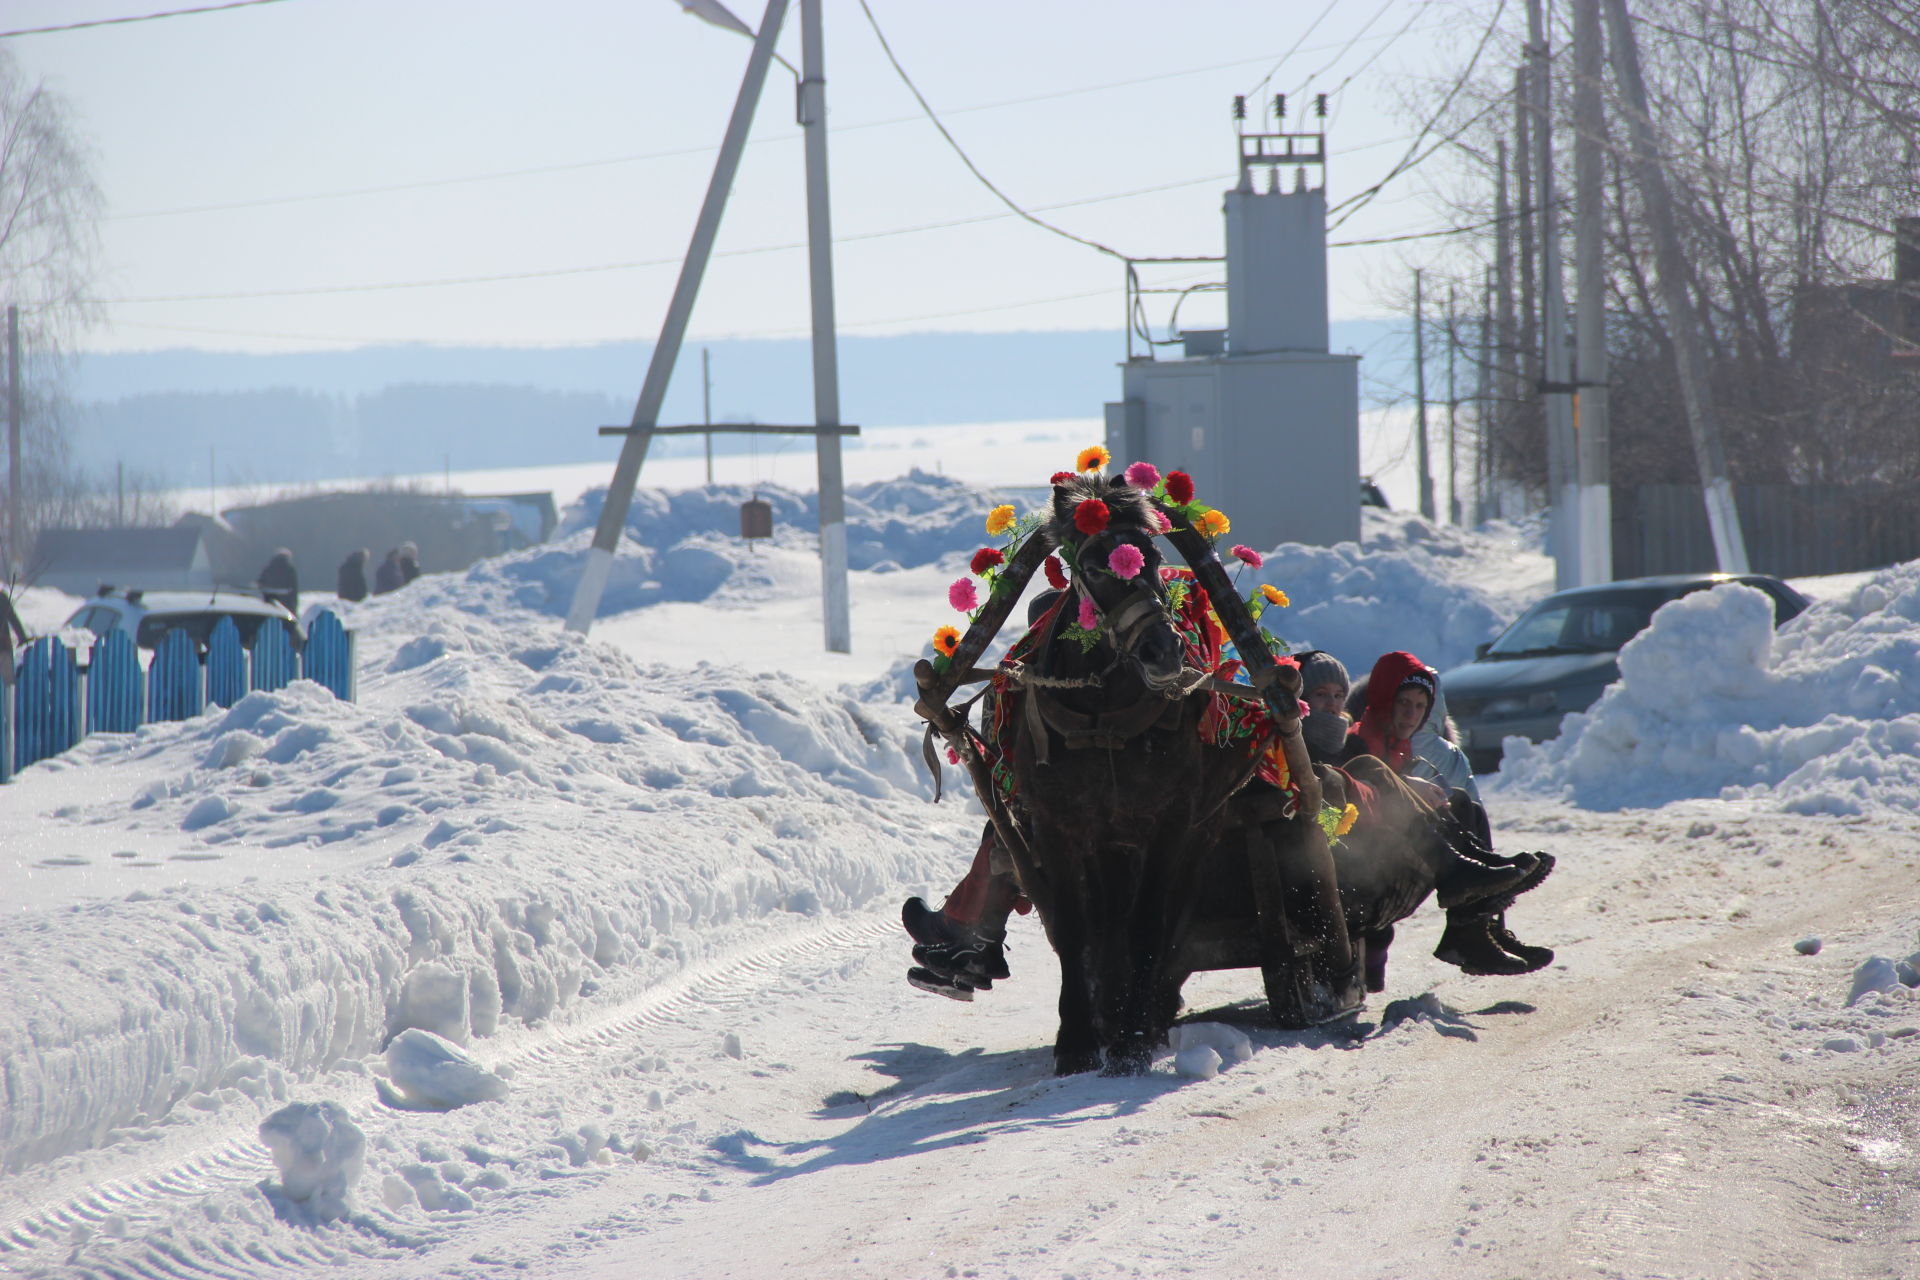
x,y
352,584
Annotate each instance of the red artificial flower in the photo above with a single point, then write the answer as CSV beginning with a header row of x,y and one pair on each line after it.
x,y
1056,574
1090,517
1179,488
986,558
1060,477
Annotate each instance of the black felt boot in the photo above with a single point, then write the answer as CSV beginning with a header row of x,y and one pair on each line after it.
x,y
1465,880
1468,945
1536,957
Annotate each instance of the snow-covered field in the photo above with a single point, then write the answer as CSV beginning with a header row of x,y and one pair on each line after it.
x,y
582,959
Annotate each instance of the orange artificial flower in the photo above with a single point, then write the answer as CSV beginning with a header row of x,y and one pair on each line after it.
x,y
1092,458
1274,595
946,640
999,520
1212,524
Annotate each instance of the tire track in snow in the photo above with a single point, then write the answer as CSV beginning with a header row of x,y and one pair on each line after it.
x,y
133,1207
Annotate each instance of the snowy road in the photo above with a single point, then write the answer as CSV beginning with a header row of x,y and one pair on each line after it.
x,y
1654,1104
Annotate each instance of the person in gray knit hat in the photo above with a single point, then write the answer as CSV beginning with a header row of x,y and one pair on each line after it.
x,y
1323,685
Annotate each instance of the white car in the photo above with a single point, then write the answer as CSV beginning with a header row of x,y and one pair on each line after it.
x,y
148,616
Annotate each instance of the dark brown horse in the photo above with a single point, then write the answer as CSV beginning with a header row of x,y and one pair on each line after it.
x,y
1122,799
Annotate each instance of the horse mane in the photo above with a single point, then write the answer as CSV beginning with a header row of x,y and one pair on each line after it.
x,y
1126,506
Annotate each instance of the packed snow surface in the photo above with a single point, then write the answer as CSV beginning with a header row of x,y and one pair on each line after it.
x,y
582,958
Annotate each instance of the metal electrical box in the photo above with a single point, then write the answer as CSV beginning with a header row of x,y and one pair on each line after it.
x,y
1267,421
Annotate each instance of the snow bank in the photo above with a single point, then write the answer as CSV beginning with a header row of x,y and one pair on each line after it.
x,y
320,1153
1434,590
509,820
912,520
1822,717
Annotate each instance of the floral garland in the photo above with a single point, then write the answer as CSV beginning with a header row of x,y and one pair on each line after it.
x,y
1173,491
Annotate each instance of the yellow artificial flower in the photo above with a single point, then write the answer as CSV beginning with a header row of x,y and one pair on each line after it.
x,y
1092,458
946,640
999,520
1274,595
1212,524
1348,816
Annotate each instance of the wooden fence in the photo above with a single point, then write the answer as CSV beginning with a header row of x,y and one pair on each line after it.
x,y
52,703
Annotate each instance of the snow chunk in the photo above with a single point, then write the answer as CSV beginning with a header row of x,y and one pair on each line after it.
x,y
1876,973
206,812
320,1152
1197,1063
1229,1044
436,1074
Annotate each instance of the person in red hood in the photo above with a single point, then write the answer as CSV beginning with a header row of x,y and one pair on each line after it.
x,y
1477,890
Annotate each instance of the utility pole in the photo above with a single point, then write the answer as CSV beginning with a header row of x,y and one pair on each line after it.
x,y
16,555
706,407
646,412
1496,408
1729,545
1453,413
1562,491
1526,334
826,360
1420,396
1486,389
1593,416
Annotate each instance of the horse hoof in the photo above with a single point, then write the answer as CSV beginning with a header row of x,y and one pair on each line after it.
x,y
1075,1063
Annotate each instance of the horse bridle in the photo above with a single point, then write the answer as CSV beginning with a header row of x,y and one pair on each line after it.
x,y
1127,623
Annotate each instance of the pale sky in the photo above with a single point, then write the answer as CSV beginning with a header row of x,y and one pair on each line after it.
x,y
236,150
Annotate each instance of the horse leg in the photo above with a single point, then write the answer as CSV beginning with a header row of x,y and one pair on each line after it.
x,y
1077,1047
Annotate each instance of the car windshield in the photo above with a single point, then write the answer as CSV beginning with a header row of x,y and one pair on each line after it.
x,y
198,625
1594,623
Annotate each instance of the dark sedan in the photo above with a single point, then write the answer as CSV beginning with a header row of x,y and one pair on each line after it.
x,y
1560,654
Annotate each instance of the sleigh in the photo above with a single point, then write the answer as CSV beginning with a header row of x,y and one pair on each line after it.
x,y
1202,870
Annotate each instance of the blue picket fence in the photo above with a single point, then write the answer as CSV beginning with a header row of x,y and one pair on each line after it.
x,y
50,705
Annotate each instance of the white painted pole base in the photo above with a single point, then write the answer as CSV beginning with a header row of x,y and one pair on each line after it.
x,y
1729,543
1596,534
593,584
835,602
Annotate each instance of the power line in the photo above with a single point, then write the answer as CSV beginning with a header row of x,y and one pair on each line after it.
x,y
1313,26
642,157
138,17
1414,156
547,273
967,160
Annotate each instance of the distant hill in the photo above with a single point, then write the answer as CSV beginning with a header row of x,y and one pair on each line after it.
x,y
390,410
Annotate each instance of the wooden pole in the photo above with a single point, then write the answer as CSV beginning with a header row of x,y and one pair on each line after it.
x,y
1453,411
1556,402
835,604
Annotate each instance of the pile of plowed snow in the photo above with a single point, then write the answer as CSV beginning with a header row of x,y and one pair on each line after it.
x,y
508,820
1821,717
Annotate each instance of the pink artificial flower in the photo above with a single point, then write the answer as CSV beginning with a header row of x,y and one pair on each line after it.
x,y
1125,561
1143,475
1089,616
962,596
1160,522
1249,557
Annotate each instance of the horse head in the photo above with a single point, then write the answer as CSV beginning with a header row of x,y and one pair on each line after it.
x,y
1094,520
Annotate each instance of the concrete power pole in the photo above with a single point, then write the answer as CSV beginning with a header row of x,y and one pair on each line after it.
x,y
646,413
1592,421
1453,411
16,555
1562,491
1420,397
826,359
1689,351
